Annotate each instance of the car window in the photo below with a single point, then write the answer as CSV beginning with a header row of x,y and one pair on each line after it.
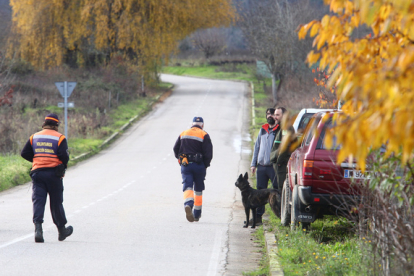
x,y
310,129
322,142
305,120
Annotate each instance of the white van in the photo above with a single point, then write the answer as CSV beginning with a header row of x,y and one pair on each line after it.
x,y
304,117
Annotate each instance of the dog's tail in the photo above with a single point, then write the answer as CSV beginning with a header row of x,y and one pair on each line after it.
x,y
274,202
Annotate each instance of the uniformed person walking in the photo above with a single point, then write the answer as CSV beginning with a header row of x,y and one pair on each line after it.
x,y
48,151
194,152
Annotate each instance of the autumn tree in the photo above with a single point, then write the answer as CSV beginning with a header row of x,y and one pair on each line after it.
x,y
48,33
373,74
270,30
326,95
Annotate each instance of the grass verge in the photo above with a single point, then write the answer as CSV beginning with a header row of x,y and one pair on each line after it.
x,y
329,247
14,170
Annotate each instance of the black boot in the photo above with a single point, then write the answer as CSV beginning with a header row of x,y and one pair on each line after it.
x,y
65,232
38,232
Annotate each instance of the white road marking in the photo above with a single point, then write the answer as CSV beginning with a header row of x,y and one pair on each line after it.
x,y
68,216
16,240
215,255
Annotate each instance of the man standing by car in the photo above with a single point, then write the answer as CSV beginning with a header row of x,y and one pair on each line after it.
x,y
48,151
261,164
278,156
194,152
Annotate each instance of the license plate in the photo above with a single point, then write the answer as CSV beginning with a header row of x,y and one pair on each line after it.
x,y
357,174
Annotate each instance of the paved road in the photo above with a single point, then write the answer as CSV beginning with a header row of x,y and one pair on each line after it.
x,y
126,202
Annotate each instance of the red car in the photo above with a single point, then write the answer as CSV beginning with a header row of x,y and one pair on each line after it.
x,y
315,184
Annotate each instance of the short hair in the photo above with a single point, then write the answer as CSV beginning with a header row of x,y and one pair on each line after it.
x,y
281,108
270,110
200,124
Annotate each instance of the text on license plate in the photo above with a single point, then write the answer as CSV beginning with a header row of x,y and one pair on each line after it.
x,y
354,174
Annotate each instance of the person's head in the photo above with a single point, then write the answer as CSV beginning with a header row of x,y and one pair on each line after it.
x,y
198,121
270,117
279,111
52,121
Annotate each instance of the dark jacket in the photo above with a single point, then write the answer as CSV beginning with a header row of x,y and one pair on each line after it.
x,y
277,157
192,141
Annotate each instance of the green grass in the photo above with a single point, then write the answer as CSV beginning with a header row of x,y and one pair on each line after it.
x,y
210,71
329,247
77,146
14,170
125,112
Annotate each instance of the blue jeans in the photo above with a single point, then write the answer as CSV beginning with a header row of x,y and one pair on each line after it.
x,y
263,175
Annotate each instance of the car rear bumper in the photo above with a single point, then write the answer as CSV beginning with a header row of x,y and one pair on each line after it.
x,y
308,198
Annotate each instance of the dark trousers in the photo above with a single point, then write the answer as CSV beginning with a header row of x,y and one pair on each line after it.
x,y
263,175
281,175
193,185
46,182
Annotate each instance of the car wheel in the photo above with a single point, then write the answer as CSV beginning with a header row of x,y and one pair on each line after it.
x,y
285,206
294,209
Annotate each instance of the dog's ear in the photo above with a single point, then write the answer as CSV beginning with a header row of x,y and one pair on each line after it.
x,y
240,176
246,176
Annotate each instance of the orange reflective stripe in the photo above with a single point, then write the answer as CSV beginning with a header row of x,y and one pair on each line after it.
x,y
198,200
31,140
188,194
193,132
61,139
53,119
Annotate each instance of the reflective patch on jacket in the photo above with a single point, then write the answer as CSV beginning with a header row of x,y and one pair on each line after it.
x,y
45,145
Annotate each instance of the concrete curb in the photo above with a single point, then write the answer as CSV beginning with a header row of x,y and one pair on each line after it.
x,y
115,134
275,269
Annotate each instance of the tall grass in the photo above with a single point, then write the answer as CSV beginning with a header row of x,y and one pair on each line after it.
x,y
14,170
330,247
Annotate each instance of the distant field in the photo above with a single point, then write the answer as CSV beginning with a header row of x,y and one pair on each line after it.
x,y
243,72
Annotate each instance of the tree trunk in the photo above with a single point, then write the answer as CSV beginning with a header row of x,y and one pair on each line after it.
x,y
274,89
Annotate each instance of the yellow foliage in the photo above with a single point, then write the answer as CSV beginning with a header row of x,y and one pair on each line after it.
x,y
373,74
143,30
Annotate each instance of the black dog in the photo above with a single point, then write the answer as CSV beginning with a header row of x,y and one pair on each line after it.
x,y
253,198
